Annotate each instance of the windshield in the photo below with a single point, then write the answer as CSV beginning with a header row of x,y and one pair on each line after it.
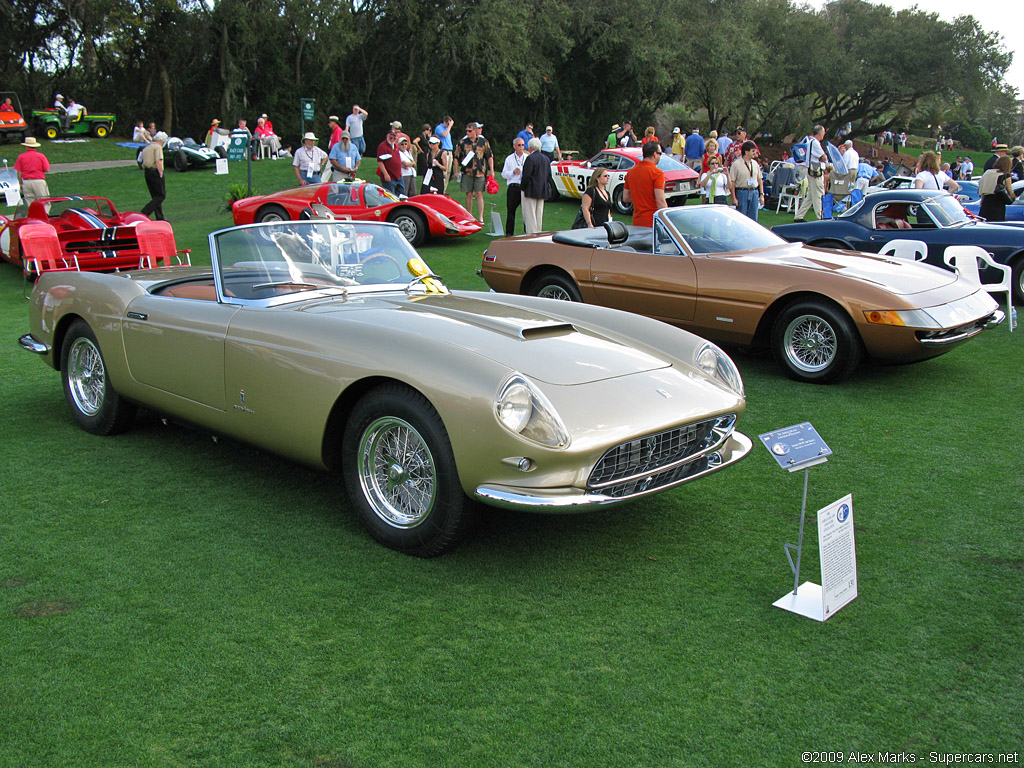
x,y
80,210
264,261
375,196
946,210
718,229
669,163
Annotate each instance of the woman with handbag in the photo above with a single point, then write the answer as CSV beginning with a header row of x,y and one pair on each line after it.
x,y
596,206
996,190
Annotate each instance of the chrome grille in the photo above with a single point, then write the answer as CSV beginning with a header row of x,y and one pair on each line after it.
x,y
660,479
654,460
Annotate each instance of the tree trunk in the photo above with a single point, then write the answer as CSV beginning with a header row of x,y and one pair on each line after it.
x,y
165,87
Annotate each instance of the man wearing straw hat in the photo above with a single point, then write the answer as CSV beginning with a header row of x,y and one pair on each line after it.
x,y
32,166
308,161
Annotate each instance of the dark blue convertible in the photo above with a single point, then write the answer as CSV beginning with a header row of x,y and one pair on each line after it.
x,y
935,218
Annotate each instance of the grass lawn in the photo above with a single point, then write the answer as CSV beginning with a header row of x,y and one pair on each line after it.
x,y
166,600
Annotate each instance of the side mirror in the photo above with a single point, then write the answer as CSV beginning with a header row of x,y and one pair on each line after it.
x,y
587,164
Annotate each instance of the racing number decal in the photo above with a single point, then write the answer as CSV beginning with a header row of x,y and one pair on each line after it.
x,y
581,182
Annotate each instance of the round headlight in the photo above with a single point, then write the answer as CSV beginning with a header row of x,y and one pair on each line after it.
x,y
515,407
707,359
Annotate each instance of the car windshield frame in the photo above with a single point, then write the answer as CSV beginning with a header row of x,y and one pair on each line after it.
x,y
274,263
946,211
723,230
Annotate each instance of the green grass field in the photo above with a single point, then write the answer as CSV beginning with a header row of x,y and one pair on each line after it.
x,y
166,600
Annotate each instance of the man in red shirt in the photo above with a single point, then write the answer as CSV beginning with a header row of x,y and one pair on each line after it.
x,y
644,186
32,166
389,164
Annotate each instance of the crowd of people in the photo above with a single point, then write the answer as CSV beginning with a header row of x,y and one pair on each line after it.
x,y
729,166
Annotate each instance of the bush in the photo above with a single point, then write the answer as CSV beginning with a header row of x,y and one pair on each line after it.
x,y
236,192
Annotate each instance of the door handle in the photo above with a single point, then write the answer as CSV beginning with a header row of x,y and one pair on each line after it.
x,y
137,316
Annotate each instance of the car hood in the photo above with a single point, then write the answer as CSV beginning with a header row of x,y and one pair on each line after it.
x,y
541,346
902,278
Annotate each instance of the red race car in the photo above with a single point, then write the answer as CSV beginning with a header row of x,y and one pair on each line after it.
x,y
418,217
93,235
571,179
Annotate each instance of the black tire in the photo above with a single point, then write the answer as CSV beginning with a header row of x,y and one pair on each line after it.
x,y
180,161
100,130
220,150
271,213
1018,280
835,245
411,502
553,285
816,342
93,401
411,223
51,132
626,209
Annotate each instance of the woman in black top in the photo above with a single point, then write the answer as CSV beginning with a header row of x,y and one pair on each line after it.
x,y
597,204
993,205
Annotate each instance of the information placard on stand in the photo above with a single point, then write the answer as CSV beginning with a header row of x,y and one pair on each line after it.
x,y
801,447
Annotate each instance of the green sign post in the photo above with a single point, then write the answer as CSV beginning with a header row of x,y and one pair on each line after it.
x,y
239,149
308,107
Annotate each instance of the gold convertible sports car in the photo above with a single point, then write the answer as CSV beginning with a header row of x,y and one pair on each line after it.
x,y
332,344
719,274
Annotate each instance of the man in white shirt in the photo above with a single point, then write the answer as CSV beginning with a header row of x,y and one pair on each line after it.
x,y
512,172
816,167
850,156
354,126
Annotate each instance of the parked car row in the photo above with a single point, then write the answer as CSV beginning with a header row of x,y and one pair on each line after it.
x,y
426,400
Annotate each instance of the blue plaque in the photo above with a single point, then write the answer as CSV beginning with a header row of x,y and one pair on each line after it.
x,y
796,447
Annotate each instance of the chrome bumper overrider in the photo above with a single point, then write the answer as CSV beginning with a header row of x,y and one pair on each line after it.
x,y
566,500
992,321
30,344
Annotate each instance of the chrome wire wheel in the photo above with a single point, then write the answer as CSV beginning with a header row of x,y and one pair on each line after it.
x,y
87,378
810,343
554,292
397,472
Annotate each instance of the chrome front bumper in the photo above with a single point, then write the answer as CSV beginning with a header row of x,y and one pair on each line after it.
x,y
28,343
996,318
569,500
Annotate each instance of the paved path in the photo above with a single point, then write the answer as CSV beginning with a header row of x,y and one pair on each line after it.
x,y
91,166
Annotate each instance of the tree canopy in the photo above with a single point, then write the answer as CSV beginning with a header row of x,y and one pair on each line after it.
x,y
581,65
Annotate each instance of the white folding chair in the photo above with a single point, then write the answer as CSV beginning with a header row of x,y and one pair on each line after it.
x,y
964,261
911,250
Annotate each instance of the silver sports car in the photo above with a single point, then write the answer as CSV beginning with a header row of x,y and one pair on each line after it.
x,y
331,343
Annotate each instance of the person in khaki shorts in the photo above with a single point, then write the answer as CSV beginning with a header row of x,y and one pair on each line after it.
x,y
816,167
476,162
31,167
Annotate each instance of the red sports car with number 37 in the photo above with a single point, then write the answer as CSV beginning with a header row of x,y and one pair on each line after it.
x,y
418,217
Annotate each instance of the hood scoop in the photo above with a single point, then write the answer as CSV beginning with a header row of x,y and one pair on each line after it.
x,y
546,331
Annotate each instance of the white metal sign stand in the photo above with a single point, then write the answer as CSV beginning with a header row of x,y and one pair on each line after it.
x,y
797,448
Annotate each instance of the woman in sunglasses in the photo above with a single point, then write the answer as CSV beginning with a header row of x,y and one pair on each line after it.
x,y
714,183
597,204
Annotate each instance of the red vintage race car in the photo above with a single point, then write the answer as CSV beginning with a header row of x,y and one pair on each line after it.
x,y
417,217
571,178
93,235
